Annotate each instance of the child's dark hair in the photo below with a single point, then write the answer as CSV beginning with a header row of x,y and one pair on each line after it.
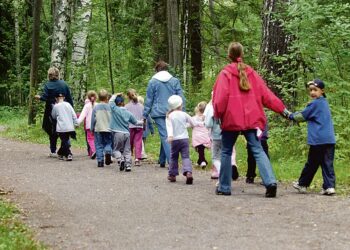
x,y
91,93
103,95
132,95
235,53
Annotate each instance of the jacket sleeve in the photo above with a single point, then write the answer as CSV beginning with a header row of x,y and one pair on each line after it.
x,y
150,125
220,95
93,120
68,97
169,127
149,100
82,114
45,94
54,113
74,116
269,99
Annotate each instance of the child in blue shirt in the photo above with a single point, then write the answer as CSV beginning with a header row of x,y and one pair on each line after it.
x,y
320,137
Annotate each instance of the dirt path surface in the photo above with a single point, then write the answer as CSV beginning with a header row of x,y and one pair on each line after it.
x,y
75,205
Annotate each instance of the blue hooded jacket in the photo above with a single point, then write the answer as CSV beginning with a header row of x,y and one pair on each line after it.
x,y
159,89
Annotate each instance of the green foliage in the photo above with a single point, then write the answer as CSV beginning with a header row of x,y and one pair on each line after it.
x,y
13,233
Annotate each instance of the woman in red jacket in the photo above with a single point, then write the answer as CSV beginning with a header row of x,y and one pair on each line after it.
x,y
240,95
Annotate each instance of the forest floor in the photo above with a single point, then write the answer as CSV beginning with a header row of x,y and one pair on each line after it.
x,y
75,205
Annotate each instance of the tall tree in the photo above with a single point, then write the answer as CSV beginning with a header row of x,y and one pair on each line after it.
x,y
61,19
194,27
175,59
159,30
109,47
79,49
275,43
34,60
18,50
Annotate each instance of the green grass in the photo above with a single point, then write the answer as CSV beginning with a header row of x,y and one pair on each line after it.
x,y
13,233
287,146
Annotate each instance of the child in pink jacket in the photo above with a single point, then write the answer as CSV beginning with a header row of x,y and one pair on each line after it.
x,y
200,135
85,116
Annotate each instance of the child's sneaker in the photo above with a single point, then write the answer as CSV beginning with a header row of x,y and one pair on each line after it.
x,y
203,165
189,178
137,163
60,157
328,191
235,173
108,159
122,165
144,156
301,189
52,155
214,173
128,168
69,157
100,164
249,180
172,178
93,156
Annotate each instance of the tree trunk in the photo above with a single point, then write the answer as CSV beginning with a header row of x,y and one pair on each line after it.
x,y
60,35
18,52
213,18
34,60
79,50
109,47
159,30
173,34
274,43
194,26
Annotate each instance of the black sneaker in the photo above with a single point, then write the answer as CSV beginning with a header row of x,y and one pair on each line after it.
x,y
235,173
162,165
93,156
271,190
122,166
60,157
249,180
69,157
108,159
100,164
217,192
128,168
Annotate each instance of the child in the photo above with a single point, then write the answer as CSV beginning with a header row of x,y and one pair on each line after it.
x,y
176,125
136,131
85,116
320,137
215,133
66,118
148,128
119,126
200,135
250,158
100,119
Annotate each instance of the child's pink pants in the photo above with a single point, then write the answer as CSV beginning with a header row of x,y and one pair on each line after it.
x,y
136,141
91,141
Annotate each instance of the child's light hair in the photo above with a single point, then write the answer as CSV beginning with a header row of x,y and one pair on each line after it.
x,y
140,99
90,94
199,109
132,95
103,95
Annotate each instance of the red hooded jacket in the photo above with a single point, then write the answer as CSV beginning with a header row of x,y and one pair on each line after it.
x,y
242,110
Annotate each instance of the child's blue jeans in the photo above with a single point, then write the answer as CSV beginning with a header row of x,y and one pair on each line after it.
x,y
103,144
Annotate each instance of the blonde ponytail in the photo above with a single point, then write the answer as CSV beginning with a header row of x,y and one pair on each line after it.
x,y
243,79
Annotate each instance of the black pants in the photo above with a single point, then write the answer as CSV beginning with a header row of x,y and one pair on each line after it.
x,y
65,144
251,160
201,156
319,155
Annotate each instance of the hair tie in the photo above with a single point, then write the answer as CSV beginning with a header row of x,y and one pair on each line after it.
x,y
239,59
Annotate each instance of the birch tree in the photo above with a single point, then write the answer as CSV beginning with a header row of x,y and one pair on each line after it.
x,y
79,50
16,4
61,19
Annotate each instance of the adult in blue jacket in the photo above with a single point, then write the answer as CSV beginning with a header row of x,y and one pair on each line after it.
x,y
51,89
161,86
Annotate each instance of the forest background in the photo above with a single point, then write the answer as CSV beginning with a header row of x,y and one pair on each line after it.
x,y
114,44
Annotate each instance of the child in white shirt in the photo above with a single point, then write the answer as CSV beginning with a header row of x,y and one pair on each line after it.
x,y
176,124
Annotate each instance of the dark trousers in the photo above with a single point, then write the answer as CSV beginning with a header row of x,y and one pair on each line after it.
x,y
65,144
177,147
201,156
251,160
53,142
319,155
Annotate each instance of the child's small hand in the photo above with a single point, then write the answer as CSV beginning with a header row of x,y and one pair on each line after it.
x,y
170,139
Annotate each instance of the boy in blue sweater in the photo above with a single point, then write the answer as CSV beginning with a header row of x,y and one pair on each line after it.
x,y
119,125
321,139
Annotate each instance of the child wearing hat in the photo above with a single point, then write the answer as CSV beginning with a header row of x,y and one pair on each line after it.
x,y
66,118
119,125
320,137
176,125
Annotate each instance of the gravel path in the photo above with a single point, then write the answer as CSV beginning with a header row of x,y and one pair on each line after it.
x,y
75,205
